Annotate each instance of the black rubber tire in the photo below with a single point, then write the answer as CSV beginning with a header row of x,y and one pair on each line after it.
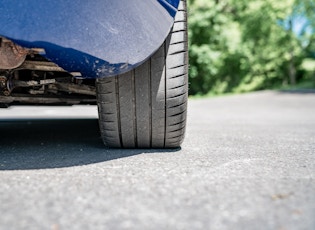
x,y
146,107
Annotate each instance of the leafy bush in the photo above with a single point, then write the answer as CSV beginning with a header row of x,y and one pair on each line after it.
x,y
245,45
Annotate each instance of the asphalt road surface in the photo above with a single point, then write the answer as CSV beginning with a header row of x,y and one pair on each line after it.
x,y
248,162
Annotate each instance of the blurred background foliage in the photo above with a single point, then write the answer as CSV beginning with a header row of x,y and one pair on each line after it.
x,y
246,45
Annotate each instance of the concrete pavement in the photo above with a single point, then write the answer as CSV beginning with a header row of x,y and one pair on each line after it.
x,y
248,162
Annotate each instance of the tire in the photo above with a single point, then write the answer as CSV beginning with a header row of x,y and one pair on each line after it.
x,y
147,107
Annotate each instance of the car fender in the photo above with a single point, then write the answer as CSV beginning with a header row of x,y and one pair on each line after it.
x,y
98,38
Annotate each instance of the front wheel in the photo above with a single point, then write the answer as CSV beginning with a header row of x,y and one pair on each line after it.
x,y
146,107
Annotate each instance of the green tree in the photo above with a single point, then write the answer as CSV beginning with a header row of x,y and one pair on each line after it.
x,y
244,45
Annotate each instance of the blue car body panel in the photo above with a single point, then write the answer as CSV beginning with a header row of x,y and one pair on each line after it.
x,y
97,38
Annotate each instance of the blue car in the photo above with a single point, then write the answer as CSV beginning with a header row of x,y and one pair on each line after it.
x,y
130,57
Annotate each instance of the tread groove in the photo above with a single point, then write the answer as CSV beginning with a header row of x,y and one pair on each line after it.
x,y
177,130
178,52
178,66
150,102
179,95
109,130
178,114
181,75
176,106
178,31
118,110
175,43
165,90
133,82
178,123
176,137
105,93
177,87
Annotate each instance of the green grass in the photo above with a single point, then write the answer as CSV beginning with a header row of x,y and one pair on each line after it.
x,y
299,86
305,85
212,94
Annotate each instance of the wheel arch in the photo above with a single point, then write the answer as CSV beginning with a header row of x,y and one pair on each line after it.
x,y
98,38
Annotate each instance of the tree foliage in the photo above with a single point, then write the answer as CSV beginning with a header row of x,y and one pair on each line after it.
x,y
244,45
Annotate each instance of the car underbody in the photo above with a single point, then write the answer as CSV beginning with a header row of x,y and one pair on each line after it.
x,y
26,77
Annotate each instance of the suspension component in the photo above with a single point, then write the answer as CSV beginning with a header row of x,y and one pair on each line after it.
x,y
4,86
11,54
